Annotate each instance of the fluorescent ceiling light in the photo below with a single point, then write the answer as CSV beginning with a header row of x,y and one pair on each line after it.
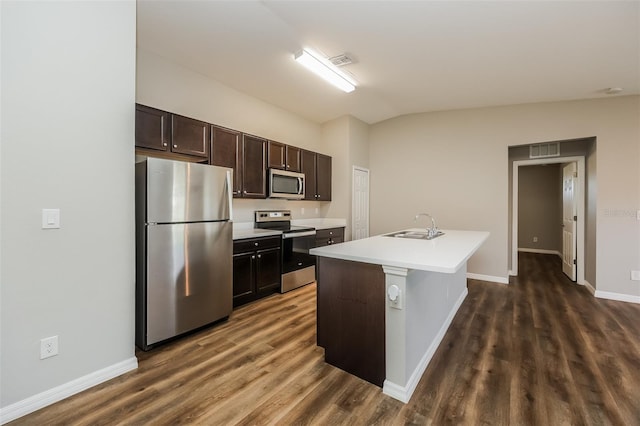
x,y
325,69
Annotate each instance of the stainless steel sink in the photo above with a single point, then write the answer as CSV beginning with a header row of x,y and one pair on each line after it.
x,y
415,235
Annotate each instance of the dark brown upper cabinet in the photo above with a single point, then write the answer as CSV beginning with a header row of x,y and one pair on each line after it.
x,y
308,162
153,128
226,151
317,173
162,131
283,157
189,136
323,177
254,167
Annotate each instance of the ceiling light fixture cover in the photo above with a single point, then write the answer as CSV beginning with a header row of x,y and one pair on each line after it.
x,y
325,69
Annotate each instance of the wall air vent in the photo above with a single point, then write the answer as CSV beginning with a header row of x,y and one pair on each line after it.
x,y
543,150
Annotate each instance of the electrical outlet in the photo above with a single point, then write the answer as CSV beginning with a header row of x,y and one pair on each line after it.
x,y
301,211
48,347
635,275
535,239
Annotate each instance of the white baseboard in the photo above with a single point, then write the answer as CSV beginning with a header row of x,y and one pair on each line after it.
x,y
621,297
41,400
490,278
403,393
589,287
540,251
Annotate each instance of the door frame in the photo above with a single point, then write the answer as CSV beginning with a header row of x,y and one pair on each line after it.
x,y
353,198
580,210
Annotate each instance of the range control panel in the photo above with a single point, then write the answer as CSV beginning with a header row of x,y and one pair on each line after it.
x,y
272,215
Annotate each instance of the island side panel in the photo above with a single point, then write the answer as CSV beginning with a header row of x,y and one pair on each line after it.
x,y
351,317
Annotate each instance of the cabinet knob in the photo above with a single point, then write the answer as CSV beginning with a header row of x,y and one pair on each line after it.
x,y
175,146
244,191
255,244
259,256
283,166
164,144
253,257
330,233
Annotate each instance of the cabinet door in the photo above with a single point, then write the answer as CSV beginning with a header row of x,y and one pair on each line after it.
x,y
293,157
153,128
226,151
254,167
189,136
276,155
268,270
243,278
323,177
308,167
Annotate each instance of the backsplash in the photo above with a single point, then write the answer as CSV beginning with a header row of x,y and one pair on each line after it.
x,y
244,209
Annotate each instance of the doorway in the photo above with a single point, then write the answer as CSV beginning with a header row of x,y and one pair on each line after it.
x,y
360,203
578,190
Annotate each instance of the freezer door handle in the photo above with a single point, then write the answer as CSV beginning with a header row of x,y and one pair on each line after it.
x,y
230,194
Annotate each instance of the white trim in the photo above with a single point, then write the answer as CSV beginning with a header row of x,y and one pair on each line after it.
x,y
403,393
617,296
580,199
51,396
540,251
490,278
589,287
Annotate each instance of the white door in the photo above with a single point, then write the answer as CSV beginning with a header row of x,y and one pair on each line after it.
x,y
360,204
569,175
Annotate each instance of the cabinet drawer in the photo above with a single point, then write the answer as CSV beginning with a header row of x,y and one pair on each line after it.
x,y
330,233
253,244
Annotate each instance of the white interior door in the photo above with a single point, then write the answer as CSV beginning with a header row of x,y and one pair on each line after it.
x,y
569,175
360,205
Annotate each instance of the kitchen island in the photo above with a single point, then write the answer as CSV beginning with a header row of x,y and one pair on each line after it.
x,y
385,303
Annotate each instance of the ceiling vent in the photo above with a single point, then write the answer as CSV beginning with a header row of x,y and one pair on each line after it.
x,y
543,150
341,60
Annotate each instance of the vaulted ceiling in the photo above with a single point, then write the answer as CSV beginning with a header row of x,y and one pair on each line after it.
x,y
409,56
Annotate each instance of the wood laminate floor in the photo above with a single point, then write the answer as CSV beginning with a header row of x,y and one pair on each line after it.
x,y
542,351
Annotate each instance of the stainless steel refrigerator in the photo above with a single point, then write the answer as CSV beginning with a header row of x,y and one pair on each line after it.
x,y
184,248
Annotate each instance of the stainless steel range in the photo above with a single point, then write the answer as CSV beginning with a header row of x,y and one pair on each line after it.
x,y
298,266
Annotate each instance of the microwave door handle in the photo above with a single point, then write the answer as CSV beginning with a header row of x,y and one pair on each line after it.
x,y
300,186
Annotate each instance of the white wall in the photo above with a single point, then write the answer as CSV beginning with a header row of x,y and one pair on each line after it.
x,y
454,164
171,87
68,75
346,138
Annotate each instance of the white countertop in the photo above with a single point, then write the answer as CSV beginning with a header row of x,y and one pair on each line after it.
x,y
446,253
320,223
244,230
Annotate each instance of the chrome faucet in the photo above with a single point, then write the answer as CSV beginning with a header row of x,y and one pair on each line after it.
x,y
433,231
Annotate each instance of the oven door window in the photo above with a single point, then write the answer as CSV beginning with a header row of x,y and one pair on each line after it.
x,y
295,253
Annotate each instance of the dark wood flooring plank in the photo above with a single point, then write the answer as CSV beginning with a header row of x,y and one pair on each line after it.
x,y
540,351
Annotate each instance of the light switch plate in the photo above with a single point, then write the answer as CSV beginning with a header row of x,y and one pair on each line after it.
x,y
635,275
50,218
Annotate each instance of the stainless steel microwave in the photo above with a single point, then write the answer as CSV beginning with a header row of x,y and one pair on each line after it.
x,y
284,184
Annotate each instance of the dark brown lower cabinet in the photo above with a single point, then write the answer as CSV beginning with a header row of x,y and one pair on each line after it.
x,y
257,269
327,237
351,317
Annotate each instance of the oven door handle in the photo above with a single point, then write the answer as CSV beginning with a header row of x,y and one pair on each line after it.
x,y
298,234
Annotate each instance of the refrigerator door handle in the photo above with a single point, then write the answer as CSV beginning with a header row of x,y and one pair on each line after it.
x,y
230,195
